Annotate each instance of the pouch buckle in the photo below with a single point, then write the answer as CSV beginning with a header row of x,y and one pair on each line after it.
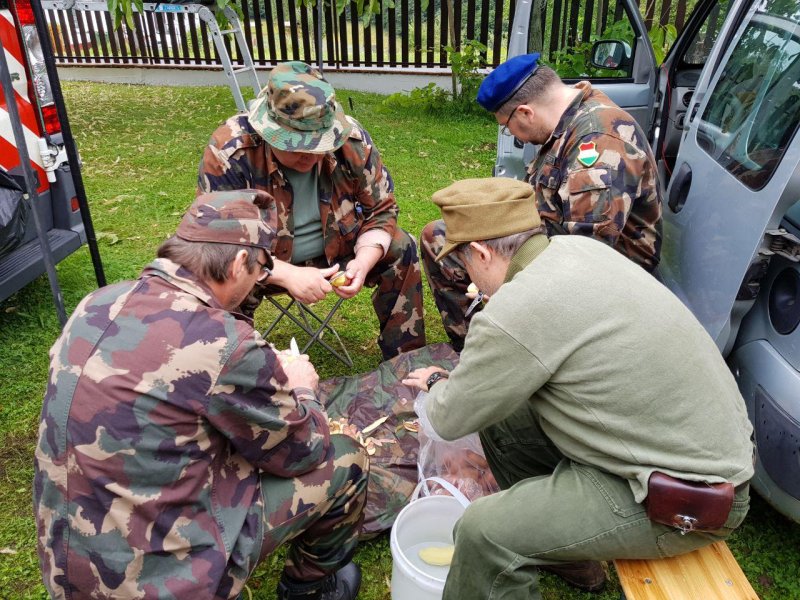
x,y
685,523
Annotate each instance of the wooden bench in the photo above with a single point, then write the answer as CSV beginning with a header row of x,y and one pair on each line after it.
x,y
710,573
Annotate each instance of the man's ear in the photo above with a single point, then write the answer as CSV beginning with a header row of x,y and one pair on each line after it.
x,y
481,252
239,264
526,111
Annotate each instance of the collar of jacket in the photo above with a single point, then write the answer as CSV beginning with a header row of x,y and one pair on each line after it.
x,y
185,280
275,173
566,118
525,255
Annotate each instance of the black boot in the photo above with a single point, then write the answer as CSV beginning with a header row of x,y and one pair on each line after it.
x,y
586,575
341,585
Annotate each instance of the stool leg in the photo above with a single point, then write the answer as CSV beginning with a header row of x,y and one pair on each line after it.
x,y
282,310
316,336
314,332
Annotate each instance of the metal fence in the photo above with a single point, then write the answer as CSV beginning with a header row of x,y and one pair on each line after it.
x,y
401,37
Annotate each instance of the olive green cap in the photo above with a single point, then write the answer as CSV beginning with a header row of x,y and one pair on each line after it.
x,y
484,209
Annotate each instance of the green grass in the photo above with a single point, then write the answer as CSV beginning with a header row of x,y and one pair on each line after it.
x,y
140,148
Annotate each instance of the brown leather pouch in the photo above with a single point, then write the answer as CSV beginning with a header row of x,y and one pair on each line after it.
x,y
688,505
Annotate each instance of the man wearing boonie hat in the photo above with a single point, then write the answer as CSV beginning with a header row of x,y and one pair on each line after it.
x,y
177,449
584,377
335,199
594,175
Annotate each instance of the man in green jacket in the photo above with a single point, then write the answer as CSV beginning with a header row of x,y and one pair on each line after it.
x,y
584,376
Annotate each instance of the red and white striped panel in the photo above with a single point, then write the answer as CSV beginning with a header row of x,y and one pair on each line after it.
x,y
14,54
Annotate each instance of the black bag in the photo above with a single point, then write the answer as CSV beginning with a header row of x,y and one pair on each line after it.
x,y
13,214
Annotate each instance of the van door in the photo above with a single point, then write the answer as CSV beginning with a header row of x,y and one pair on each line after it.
x,y
737,171
565,43
678,78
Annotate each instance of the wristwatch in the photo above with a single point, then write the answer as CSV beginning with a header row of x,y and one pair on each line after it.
x,y
434,377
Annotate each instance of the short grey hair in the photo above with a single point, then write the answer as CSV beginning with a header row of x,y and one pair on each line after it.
x,y
538,85
207,260
505,246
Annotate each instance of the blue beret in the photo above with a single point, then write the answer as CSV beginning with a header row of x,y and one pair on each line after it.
x,y
505,80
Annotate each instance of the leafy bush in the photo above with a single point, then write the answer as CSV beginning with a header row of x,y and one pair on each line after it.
x,y
465,65
575,62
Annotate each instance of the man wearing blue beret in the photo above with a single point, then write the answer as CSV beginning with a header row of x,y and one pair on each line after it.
x,y
594,175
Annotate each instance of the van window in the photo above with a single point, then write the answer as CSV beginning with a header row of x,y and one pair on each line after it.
x,y
566,31
697,52
754,110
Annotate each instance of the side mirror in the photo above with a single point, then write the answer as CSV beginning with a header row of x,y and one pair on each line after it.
x,y
611,54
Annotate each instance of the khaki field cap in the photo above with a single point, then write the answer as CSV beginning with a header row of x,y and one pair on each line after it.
x,y
297,111
241,217
484,209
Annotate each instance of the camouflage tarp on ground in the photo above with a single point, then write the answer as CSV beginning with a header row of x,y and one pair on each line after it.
x,y
363,399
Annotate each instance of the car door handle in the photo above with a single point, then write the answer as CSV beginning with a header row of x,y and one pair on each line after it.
x,y
679,190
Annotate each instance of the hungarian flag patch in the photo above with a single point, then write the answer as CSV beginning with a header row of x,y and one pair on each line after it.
x,y
588,154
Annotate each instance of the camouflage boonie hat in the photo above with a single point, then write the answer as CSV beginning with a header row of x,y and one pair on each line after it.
x,y
241,217
297,111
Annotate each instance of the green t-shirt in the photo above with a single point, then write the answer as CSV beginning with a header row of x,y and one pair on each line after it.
x,y
308,242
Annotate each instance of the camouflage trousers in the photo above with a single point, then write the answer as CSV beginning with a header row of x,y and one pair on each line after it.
x,y
449,281
397,297
319,512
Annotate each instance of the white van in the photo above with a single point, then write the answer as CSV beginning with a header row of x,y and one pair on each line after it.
x,y
722,113
21,258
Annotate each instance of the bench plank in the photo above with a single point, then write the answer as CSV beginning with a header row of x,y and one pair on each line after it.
x,y
710,573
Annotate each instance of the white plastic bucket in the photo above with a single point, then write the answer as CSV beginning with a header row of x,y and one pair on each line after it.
x,y
426,521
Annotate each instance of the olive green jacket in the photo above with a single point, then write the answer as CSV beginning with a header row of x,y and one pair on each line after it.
x,y
622,375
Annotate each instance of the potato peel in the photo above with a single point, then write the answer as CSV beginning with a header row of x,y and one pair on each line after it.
x,y
374,425
369,443
412,426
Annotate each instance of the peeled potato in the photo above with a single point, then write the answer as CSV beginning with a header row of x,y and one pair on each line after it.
x,y
339,279
437,556
472,288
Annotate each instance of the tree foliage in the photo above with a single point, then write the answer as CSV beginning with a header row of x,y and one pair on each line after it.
x,y
367,9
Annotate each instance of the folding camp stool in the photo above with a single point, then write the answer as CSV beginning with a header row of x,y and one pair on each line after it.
x,y
314,325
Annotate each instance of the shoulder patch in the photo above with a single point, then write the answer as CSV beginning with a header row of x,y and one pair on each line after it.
x,y
588,154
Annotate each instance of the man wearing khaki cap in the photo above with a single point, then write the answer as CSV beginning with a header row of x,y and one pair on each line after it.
x,y
335,199
600,401
176,448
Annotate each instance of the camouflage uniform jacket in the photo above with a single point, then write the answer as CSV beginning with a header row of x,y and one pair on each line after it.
x,y
596,176
356,190
161,412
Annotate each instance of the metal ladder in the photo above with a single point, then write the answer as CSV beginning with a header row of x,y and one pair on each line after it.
x,y
208,16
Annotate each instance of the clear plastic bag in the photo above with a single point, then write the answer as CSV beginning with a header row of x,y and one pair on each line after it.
x,y
460,462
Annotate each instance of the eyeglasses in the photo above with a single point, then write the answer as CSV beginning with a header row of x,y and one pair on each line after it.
x,y
266,270
505,130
